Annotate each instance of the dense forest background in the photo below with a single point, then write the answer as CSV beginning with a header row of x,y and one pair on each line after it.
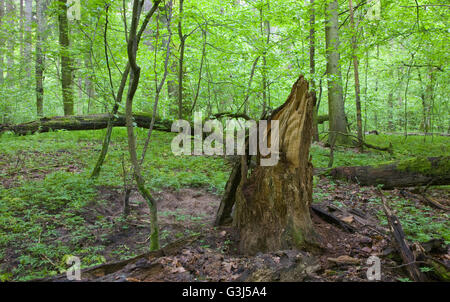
x,y
237,55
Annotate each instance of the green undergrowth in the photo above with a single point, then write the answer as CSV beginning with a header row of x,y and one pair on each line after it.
x,y
420,223
413,146
46,191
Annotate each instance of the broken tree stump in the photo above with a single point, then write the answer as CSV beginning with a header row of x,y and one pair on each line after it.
x,y
272,204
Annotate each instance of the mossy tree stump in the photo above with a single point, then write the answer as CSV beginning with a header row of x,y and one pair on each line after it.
x,y
272,204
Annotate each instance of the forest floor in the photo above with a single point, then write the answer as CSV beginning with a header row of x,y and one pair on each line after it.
x,y
49,209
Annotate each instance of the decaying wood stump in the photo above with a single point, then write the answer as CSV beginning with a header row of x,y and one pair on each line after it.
x,y
272,204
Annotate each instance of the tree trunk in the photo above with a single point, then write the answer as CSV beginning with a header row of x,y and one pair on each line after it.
x,y
181,62
336,110
312,67
357,85
27,51
391,110
11,13
21,31
407,173
2,41
39,68
265,36
66,61
272,205
134,83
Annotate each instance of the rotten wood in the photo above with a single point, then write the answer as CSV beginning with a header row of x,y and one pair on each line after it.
x,y
400,242
330,218
407,173
84,122
101,270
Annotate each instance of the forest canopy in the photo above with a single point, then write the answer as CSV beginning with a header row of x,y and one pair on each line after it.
x,y
238,55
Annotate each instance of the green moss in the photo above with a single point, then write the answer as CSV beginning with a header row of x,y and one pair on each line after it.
x,y
299,239
424,166
143,114
441,271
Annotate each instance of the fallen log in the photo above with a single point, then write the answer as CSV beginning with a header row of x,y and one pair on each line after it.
x,y
426,200
330,218
100,121
83,122
407,173
418,134
400,242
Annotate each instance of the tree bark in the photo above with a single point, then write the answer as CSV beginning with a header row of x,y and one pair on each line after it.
x,y
120,92
39,67
336,110
312,66
84,122
357,85
272,205
407,173
28,19
181,63
133,85
66,61
100,121
11,13
2,41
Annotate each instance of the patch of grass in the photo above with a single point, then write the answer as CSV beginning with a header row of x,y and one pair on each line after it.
x,y
41,222
419,223
42,212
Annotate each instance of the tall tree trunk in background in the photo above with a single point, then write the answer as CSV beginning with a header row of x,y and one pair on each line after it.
x,y
265,35
118,97
66,61
429,99
356,72
2,41
375,115
28,39
88,84
11,13
181,62
21,31
336,110
390,111
40,58
200,72
312,67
